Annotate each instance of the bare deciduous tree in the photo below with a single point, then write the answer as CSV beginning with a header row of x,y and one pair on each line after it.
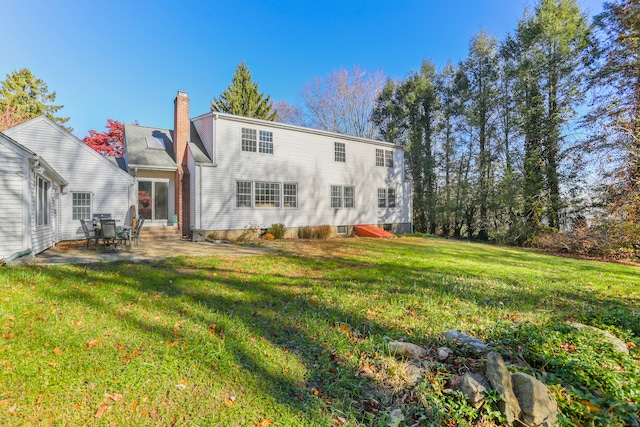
x,y
289,113
343,101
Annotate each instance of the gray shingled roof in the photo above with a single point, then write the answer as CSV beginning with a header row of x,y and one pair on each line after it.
x,y
197,147
139,155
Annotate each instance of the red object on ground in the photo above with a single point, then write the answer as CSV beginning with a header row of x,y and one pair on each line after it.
x,y
371,231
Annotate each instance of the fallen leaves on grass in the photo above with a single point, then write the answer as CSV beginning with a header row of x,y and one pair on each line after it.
x,y
92,344
263,423
5,401
101,409
58,351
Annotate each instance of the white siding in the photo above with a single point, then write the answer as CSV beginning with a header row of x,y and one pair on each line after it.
x,y
191,167
205,131
14,200
304,158
83,169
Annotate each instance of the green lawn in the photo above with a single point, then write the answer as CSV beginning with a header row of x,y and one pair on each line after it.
x,y
298,337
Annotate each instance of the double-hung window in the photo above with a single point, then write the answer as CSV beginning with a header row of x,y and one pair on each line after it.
x,y
382,197
290,195
388,158
343,196
386,197
379,157
248,139
340,152
243,194
266,142
384,158
42,202
349,197
81,206
391,198
267,194
336,196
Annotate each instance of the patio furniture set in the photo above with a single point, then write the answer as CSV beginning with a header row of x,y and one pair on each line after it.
x,y
113,237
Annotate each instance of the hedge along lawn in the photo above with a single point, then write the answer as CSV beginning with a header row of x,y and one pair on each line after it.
x,y
296,337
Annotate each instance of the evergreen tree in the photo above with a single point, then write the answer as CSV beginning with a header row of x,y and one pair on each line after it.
x,y
243,98
405,113
481,68
554,41
616,111
27,97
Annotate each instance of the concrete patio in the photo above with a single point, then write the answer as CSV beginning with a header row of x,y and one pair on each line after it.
x,y
75,253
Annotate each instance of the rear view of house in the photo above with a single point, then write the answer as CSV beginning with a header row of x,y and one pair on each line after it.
x,y
225,173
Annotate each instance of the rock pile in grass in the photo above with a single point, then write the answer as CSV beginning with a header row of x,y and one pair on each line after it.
x,y
522,397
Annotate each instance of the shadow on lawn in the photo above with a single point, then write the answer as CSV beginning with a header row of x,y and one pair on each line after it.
x,y
281,308
279,316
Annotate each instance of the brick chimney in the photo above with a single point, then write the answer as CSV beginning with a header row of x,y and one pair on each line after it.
x,y
181,136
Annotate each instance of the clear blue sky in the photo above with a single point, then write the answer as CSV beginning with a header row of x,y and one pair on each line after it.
x,y
126,59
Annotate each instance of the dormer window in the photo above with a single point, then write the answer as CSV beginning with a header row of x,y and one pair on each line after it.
x,y
154,143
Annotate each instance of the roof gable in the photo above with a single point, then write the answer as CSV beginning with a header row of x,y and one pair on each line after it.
x,y
139,154
45,121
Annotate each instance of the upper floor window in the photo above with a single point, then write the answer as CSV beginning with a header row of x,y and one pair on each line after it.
x,y
388,158
266,142
340,152
81,206
248,139
379,157
384,158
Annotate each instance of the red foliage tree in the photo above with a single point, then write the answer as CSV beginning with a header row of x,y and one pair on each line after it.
x,y
107,143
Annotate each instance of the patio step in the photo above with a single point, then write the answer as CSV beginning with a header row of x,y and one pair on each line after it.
x,y
165,232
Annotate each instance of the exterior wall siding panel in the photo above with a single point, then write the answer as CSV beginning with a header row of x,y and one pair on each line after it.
x,y
12,199
83,169
306,159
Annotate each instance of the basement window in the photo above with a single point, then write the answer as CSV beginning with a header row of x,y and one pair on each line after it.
x,y
342,230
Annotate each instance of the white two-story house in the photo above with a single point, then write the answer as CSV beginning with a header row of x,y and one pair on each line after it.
x,y
225,173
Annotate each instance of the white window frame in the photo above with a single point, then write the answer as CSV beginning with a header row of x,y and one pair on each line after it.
x,y
391,198
379,157
290,201
387,198
388,158
339,198
249,140
265,141
244,194
76,209
43,216
269,193
340,152
336,196
382,198
349,202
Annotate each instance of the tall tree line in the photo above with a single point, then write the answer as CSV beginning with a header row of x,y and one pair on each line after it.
x,y
487,138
